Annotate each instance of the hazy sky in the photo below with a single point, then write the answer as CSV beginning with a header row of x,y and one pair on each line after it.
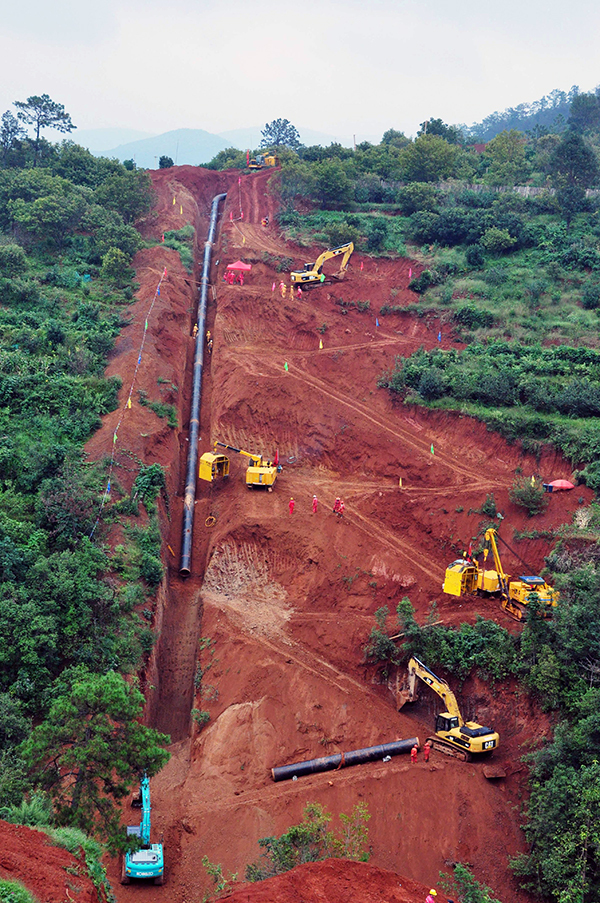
x,y
352,67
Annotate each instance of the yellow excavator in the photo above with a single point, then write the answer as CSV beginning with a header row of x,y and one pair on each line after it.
x,y
313,274
464,577
258,473
263,161
453,735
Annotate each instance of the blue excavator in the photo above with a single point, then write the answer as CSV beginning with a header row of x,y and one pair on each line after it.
x,y
148,861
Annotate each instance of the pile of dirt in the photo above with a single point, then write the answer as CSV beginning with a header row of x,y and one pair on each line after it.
x,y
285,602
334,881
50,873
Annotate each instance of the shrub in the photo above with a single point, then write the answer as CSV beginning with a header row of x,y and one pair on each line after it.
x,y
590,299
529,493
474,256
497,241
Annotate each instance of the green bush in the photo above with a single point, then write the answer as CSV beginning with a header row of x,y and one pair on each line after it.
x,y
529,493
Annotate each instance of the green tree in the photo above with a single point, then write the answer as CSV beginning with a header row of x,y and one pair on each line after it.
x,y
505,159
529,493
129,193
10,132
280,133
584,114
165,162
90,749
428,159
451,133
573,163
332,185
497,241
42,113
115,266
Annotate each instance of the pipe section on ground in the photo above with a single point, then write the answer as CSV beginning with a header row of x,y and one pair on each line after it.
x,y
343,760
189,496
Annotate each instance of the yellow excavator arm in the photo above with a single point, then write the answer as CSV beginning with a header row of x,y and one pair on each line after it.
x,y
453,735
437,684
313,272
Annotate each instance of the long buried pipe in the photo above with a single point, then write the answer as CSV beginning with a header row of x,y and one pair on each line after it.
x,y
192,463
343,760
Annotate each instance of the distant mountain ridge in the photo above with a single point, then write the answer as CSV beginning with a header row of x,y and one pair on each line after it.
x,y
192,146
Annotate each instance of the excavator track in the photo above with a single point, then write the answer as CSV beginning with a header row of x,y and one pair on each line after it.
x,y
449,750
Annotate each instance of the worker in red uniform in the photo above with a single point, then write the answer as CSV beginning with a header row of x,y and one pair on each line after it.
x,y
427,750
292,503
413,755
341,509
432,893
336,506
315,504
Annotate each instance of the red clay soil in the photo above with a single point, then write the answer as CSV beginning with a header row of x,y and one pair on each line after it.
x,y
287,600
50,873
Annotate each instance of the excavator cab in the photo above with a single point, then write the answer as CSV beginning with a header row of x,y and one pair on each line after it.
x,y
446,722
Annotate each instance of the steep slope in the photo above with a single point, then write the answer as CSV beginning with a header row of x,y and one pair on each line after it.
x,y
285,601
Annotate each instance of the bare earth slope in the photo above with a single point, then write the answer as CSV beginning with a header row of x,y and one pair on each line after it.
x,y
286,602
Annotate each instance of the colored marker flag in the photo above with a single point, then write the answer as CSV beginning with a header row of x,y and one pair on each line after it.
x,y
439,336
180,209
377,321
410,273
145,325
129,402
239,180
361,266
108,488
158,290
432,452
163,237
173,201
273,287
285,367
114,438
320,344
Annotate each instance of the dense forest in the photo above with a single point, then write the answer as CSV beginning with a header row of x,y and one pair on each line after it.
x,y
508,235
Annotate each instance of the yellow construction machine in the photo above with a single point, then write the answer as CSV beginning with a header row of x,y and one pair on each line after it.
x,y
258,473
453,736
263,161
313,274
464,577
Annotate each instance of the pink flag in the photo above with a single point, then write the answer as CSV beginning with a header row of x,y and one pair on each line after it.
x,y
361,266
231,215
273,287
410,273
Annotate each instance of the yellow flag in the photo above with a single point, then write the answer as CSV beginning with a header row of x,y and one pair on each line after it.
x,y
129,402
180,208
320,344
532,480
173,201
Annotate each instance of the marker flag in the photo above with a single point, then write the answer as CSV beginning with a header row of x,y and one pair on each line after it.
x,y
410,273
140,359
114,438
361,266
108,487
145,325
377,321
180,209
285,367
432,452
320,344
164,272
231,216
158,290
173,201
129,402
273,287
239,180
439,336
163,237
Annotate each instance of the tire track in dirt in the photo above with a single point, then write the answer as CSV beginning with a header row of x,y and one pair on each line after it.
x,y
265,369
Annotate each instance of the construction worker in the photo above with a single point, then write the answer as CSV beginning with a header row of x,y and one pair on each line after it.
x,y
341,509
429,898
208,335
292,503
413,755
315,504
195,331
336,505
210,346
427,750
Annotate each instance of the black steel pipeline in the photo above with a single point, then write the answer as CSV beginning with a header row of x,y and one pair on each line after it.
x,y
189,496
343,760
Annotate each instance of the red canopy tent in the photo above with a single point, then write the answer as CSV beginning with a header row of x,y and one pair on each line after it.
x,y
561,484
239,265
